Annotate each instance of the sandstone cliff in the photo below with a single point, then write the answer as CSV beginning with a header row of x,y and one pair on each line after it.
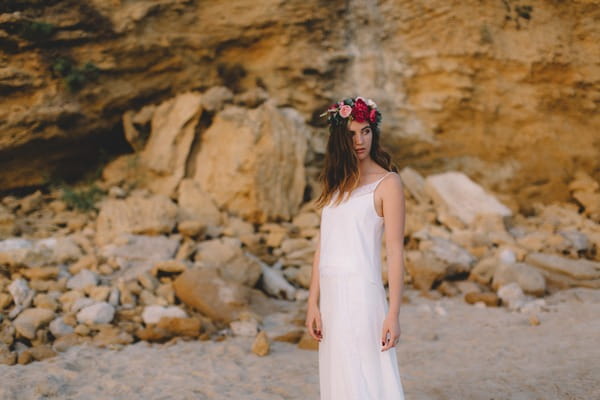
x,y
505,90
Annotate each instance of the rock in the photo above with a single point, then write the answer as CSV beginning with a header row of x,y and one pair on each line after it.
x,y
197,205
290,337
112,336
136,254
275,284
21,294
18,252
585,190
99,293
462,197
257,140
98,313
7,357
168,327
7,225
489,299
454,256
69,298
215,98
42,273
59,328
190,228
63,343
25,357
483,271
138,214
306,220
153,314
204,290
534,320
83,279
43,300
415,184
247,327
181,326
448,289
562,272
88,262
42,352
173,129
82,330
512,295
467,287
233,264
5,300
237,227
31,319
169,267
300,276
527,277
424,269
307,342
260,347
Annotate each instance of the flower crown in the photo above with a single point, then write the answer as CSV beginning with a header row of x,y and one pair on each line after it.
x,y
358,109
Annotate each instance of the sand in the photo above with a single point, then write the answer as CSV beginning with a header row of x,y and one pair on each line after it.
x,y
448,350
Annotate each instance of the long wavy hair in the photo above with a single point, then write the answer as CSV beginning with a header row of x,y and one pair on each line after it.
x,y
340,172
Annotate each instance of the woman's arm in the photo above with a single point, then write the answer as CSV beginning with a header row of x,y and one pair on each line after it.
x,y
313,316
313,294
394,216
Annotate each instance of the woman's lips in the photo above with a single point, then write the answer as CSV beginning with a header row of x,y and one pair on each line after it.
x,y
360,150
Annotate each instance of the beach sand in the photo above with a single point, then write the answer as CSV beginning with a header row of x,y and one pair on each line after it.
x,y
448,350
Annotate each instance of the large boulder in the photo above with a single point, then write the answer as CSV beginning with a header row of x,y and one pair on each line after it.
x,y
252,161
529,279
204,290
136,254
226,255
457,194
562,272
140,213
19,252
173,131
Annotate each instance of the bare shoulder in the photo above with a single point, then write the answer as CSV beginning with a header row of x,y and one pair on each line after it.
x,y
392,182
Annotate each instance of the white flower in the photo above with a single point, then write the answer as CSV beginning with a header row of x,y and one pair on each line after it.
x,y
371,103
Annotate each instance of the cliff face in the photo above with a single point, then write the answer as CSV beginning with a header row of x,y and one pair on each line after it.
x,y
507,91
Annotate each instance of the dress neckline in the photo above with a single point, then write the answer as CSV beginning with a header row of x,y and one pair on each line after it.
x,y
371,183
362,189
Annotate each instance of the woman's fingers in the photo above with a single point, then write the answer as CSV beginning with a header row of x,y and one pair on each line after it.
x,y
314,328
385,337
318,327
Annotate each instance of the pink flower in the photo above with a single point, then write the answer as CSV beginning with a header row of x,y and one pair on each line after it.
x,y
345,111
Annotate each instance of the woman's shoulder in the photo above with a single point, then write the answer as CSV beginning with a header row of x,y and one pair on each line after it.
x,y
391,178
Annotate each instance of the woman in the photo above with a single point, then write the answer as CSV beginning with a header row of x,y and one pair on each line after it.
x,y
347,310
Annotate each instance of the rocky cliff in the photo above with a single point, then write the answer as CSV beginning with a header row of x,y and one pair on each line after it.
x,y
504,90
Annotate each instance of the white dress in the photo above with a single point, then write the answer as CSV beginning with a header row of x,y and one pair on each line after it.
x,y
353,303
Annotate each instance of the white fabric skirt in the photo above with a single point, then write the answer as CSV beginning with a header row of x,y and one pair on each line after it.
x,y
351,363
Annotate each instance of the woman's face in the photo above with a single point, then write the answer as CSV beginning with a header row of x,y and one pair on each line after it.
x,y
362,137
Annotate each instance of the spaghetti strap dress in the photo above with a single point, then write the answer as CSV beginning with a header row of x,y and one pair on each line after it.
x,y
353,303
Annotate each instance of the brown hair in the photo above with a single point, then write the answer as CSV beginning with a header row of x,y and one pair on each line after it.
x,y
340,171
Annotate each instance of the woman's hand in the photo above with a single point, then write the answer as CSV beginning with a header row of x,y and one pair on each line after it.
x,y
313,321
390,332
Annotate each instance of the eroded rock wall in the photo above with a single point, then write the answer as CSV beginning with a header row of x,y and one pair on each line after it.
x,y
505,90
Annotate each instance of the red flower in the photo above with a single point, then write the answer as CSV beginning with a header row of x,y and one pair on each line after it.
x,y
360,111
373,116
